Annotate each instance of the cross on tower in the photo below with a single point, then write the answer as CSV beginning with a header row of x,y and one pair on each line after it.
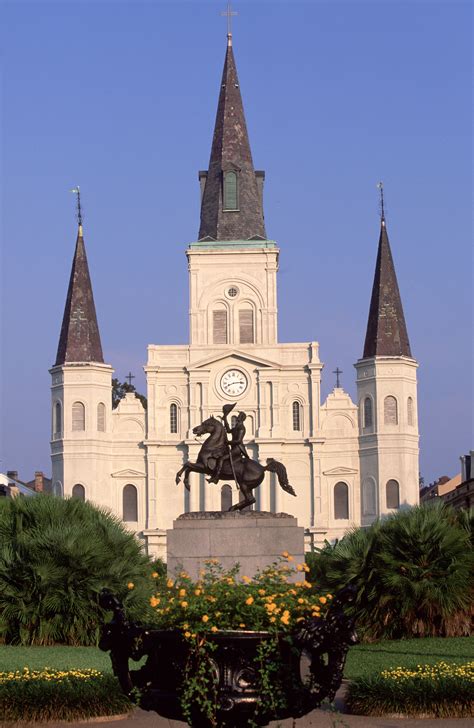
x,y
130,376
229,13
77,192
337,372
382,206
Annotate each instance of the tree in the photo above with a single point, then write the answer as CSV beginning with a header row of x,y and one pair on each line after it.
x,y
120,389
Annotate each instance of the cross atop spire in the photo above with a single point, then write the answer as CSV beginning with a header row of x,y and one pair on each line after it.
x,y
76,190
382,207
229,13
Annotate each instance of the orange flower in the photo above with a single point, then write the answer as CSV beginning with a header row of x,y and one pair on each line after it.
x,y
197,592
187,635
182,592
130,585
241,625
154,601
205,618
300,601
285,554
214,628
261,592
154,575
184,604
170,583
249,601
323,600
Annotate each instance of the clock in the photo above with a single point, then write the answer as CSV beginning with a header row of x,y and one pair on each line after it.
x,y
234,382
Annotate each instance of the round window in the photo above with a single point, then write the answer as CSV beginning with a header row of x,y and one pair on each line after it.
x,y
232,292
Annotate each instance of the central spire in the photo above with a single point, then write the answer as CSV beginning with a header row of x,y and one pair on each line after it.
x,y
231,207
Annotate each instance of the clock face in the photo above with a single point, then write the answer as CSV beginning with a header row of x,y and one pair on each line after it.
x,y
234,382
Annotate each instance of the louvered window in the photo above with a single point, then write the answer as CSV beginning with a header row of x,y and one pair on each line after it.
x,y
246,326
173,418
341,501
130,503
78,417
296,412
393,494
410,417
368,498
101,417
367,412
226,497
79,492
390,411
231,201
58,420
219,327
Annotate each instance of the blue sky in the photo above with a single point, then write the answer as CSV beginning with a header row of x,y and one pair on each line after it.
x,y
120,98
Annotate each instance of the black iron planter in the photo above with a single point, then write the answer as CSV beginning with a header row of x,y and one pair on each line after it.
x,y
237,667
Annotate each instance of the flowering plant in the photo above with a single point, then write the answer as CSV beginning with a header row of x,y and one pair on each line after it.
x,y
224,600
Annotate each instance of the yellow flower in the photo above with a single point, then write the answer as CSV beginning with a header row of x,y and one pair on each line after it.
x,y
315,614
214,628
285,617
329,596
197,592
170,583
270,607
242,625
182,592
247,579
285,554
300,601
184,575
290,557
299,567
184,604
130,585
154,601
261,592
205,618
249,601
155,575
187,634
306,567
272,619
185,625
323,600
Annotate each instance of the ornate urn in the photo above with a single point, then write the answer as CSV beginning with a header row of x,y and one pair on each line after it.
x,y
307,670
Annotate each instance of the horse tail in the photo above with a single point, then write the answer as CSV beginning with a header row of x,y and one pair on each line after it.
x,y
273,466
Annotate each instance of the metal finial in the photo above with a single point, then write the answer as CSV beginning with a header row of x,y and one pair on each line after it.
x,y
77,192
337,372
229,13
382,207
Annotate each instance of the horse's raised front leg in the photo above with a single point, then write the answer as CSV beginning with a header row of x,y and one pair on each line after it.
x,y
188,468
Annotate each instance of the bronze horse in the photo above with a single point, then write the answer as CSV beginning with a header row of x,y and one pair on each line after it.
x,y
247,473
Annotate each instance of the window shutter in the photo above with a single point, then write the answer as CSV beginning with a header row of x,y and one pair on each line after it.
x,y
393,494
173,418
296,416
101,417
390,411
78,417
246,326
410,411
219,327
367,412
230,191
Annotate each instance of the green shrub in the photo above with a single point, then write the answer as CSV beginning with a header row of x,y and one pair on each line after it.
x,y
55,557
49,695
413,571
439,691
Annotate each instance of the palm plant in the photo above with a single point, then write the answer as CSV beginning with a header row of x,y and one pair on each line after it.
x,y
55,557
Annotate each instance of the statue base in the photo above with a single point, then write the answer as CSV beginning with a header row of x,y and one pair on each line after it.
x,y
254,539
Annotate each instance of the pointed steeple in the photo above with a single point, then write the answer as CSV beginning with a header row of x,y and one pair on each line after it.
x,y
79,340
386,328
231,207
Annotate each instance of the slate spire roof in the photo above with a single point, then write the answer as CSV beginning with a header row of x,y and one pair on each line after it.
x,y
386,328
79,340
231,152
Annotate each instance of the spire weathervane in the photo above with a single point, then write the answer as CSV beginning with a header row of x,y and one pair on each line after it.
x,y
382,207
77,192
337,372
229,13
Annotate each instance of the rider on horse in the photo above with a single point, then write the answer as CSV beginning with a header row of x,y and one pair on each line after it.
x,y
236,445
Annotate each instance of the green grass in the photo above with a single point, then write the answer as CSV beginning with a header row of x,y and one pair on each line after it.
x,y
368,659
58,657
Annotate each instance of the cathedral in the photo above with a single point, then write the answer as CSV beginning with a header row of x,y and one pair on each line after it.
x,y
349,462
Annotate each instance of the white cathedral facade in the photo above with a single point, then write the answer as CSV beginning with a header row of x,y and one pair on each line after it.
x,y
349,463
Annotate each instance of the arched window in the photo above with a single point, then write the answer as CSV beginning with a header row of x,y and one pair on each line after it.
x,y
130,503
410,417
231,197
393,494
58,419
58,489
246,332
79,492
390,411
368,420
101,417
173,418
296,412
219,326
341,501
78,417
369,503
226,497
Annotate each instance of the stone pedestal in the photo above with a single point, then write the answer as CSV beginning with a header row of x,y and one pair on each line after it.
x,y
254,539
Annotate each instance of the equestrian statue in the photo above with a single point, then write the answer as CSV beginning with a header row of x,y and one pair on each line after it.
x,y
224,459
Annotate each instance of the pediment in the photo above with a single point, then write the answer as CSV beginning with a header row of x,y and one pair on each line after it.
x,y
128,473
233,354
340,471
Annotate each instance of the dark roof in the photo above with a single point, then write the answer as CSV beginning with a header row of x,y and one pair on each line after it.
x,y
80,339
386,329
231,151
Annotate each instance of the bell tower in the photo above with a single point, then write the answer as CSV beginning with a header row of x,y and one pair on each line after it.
x,y
387,394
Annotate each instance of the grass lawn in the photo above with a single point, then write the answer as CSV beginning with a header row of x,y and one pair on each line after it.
x,y
362,660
